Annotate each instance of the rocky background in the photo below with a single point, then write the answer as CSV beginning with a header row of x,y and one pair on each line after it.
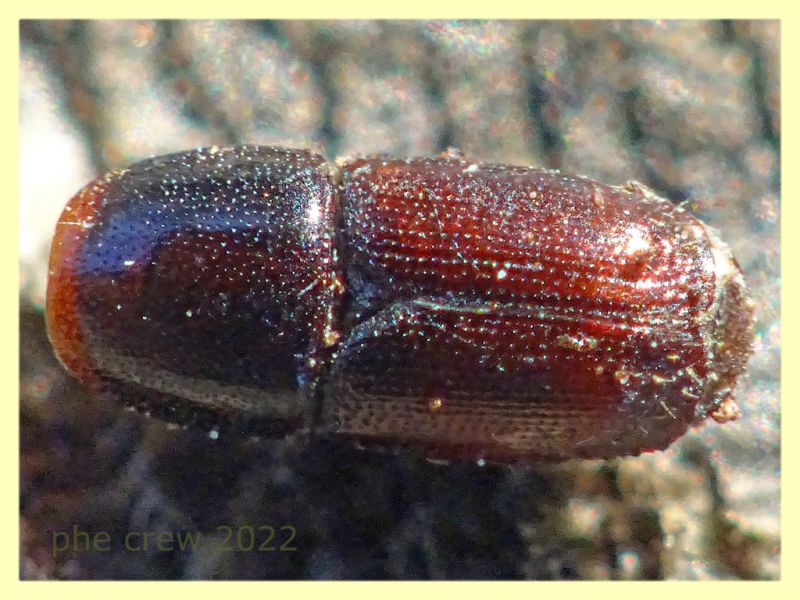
x,y
691,109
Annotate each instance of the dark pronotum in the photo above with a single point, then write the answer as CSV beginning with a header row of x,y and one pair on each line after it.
x,y
457,308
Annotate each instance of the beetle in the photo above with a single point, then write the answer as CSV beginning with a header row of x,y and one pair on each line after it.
x,y
456,308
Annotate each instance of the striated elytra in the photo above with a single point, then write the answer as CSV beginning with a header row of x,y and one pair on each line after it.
x,y
460,309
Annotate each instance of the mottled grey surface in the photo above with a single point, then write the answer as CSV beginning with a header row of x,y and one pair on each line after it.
x,y
691,109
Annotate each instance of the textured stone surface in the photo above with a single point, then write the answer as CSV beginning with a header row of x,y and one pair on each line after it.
x,y
691,109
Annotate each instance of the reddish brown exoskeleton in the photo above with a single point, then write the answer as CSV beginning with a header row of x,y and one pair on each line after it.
x,y
460,309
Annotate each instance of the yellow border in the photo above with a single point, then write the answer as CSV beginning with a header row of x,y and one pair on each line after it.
x,y
410,9
406,9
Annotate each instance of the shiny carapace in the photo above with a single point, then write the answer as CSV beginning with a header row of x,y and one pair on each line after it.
x,y
459,309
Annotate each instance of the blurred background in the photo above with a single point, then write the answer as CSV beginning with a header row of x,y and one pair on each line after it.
x,y
690,108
